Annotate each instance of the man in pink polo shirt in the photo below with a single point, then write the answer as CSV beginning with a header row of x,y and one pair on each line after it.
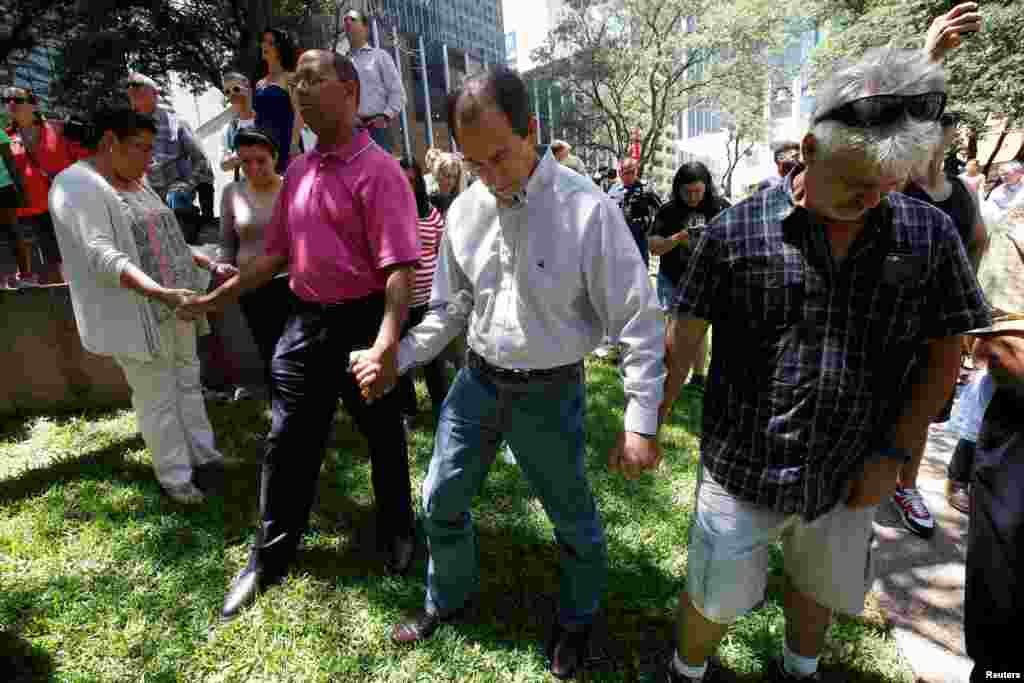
x,y
345,227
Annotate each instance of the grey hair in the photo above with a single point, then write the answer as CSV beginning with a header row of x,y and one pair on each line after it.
x,y
1012,167
882,71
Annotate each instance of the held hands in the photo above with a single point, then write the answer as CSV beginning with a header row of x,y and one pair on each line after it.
x,y
174,298
876,483
946,30
375,370
196,306
633,453
223,271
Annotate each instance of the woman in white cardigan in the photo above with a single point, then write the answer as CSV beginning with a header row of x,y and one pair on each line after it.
x,y
129,268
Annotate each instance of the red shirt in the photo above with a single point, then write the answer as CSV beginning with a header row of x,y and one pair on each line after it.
x,y
51,155
343,215
430,229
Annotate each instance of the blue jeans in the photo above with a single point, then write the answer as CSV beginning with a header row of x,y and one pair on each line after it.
x,y
542,420
181,201
382,136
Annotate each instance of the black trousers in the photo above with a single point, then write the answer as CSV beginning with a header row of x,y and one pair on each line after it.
x,y
994,596
266,311
310,372
433,373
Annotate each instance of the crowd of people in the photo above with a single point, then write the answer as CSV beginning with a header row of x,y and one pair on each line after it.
x,y
839,298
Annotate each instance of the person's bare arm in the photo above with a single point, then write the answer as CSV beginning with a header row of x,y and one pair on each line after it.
x,y
133,278
259,272
927,396
682,342
660,246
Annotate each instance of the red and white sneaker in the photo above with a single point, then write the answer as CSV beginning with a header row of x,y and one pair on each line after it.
x,y
909,503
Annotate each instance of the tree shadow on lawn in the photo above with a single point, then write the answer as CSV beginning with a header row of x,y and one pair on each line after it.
x,y
23,661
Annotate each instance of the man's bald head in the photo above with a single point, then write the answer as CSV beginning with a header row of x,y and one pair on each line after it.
x,y
497,88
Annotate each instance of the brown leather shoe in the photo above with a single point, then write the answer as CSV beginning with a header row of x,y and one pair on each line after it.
x,y
959,497
422,624
567,651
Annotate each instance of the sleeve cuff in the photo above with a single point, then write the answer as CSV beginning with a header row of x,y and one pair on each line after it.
x,y
406,357
640,419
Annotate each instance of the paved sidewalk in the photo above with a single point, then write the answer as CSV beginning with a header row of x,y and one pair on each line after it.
x,y
920,583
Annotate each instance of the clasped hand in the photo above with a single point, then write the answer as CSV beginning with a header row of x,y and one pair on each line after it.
x,y
633,454
375,371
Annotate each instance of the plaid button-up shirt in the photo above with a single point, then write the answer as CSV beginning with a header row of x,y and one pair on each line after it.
x,y
810,359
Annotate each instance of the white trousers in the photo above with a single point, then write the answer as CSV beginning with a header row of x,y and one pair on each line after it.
x,y
168,401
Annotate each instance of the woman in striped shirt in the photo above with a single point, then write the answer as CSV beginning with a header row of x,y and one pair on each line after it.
x,y
431,227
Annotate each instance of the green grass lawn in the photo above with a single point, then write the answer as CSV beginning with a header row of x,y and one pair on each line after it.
x,y
103,579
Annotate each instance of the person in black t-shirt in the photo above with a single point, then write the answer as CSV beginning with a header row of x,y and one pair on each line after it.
x,y
950,195
678,224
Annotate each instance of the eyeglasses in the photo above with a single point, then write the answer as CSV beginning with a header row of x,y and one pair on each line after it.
x,y
880,110
136,85
18,100
235,90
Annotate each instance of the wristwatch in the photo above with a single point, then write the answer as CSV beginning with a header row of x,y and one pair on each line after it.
x,y
894,453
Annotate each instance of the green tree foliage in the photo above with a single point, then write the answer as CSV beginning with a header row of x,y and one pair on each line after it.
x,y
632,64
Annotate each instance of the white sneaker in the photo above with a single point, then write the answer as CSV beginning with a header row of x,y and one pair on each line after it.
x,y
244,394
185,494
604,351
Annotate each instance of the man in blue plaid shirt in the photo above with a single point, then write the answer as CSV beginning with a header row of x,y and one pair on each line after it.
x,y
820,291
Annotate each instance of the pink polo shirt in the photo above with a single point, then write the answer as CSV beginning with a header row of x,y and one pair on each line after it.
x,y
343,215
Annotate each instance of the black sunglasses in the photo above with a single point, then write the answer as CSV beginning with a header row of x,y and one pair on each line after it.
x,y
235,90
880,110
18,100
133,85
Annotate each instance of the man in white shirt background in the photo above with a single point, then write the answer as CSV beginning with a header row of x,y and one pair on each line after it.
x,y
382,95
541,265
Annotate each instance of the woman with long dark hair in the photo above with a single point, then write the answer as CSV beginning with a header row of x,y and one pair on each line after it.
x,y
275,108
694,203
431,227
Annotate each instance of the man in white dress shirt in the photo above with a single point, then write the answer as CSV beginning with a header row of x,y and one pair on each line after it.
x,y
538,264
382,95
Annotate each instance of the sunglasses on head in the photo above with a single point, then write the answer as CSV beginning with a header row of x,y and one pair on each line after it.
x,y
18,100
880,110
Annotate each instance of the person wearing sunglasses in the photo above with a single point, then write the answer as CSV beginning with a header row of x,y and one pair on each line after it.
x,y
239,95
40,151
822,294
383,95
179,164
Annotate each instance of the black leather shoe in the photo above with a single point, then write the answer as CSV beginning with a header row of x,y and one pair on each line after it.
x,y
247,585
401,555
567,651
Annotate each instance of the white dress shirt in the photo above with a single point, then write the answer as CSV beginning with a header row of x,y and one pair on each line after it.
x,y
538,284
380,85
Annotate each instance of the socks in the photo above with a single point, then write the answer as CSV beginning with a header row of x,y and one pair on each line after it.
x,y
797,666
695,673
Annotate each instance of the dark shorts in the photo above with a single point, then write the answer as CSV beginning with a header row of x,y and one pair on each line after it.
x,y
39,230
8,197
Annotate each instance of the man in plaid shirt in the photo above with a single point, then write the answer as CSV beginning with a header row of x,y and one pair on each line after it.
x,y
820,291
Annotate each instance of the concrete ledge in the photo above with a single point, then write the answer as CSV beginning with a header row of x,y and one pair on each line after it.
x,y
44,365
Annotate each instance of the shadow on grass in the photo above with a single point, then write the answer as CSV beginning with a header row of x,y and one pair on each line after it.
x,y
23,661
99,464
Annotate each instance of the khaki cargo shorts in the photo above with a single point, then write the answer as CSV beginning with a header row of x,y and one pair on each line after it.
x,y
828,560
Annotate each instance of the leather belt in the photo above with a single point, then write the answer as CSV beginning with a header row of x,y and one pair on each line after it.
x,y
477,362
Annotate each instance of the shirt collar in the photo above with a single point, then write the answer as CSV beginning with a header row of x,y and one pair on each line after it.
x,y
543,175
347,152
